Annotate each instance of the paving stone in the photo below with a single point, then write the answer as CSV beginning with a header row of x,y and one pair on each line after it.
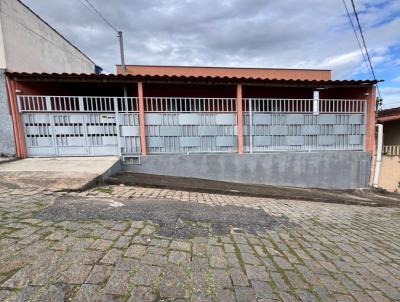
x,y
118,283
317,252
218,261
126,264
153,259
101,244
111,257
76,274
99,274
122,242
160,242
244,294
180,245
222,278
147,275
88,292
263,290
157,250
225,295
173,283
143,294
179,257
135,251
238,277
257,273
295,280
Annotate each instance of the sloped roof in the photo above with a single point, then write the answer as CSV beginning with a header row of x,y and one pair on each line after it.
x,y
131,77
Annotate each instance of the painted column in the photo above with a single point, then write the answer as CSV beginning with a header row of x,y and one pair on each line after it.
x,y
141,120
16,119
316,102
371,121
239,112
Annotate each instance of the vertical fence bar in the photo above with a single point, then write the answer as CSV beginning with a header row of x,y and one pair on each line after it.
x,y
141,119
316,102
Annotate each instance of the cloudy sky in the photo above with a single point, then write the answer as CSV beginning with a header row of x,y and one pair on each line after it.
x,y
246,33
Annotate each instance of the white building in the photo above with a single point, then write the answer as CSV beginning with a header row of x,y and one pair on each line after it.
x,y
29,44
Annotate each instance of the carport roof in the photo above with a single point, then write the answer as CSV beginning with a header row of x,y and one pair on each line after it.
x,y
105,78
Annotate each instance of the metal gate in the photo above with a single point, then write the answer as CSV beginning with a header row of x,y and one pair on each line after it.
x,y
303,124
190,125
80,126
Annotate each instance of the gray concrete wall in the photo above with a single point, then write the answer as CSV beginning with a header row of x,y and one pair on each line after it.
x,y
31,45
334,170
7,146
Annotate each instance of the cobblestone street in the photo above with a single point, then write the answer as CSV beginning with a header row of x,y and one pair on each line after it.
x,y
309,252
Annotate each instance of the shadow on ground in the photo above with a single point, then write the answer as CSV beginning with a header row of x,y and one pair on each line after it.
x,y
366,197
176,219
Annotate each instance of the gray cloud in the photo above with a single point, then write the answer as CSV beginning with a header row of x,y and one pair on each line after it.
x,y
259,33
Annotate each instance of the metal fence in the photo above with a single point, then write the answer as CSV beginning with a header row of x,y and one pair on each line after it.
x,y
393,150
77,126
303,124
86,125
190,125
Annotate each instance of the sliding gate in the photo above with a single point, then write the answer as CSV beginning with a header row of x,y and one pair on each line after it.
x,y
80,126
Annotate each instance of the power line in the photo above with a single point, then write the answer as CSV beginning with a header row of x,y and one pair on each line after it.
x,y
365,45
358,40
92,8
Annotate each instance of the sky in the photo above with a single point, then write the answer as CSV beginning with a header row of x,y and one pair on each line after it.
x,y
242,33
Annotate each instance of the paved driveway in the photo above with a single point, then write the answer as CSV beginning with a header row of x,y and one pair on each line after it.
x,y
140,244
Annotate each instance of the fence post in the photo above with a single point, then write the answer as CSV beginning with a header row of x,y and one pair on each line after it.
x,y
251,124
48,103
316,102
117,125
81,106
141,120
239,112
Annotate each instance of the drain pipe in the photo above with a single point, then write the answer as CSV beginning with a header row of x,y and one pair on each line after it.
x,y
378,155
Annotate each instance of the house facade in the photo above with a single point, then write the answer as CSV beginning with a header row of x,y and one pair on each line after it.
x,y
29,44
390,171
260,126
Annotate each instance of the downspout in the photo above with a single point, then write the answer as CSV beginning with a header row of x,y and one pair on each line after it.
x,y
378,155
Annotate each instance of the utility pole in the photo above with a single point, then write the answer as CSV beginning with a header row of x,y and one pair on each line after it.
x,y
121,49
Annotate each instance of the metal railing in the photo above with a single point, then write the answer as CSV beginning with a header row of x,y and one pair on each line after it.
x,y
393,150
182,104
31,103
304,105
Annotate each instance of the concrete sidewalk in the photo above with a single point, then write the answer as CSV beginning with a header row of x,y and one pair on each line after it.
x,y
56,174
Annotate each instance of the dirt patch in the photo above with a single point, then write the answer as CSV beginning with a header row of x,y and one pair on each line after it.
x,y
176,219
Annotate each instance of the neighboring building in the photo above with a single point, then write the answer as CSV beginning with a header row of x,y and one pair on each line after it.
x,y
390,171
29,44
390,118
262,126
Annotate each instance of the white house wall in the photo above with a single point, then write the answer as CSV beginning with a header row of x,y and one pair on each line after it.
x,y
31,45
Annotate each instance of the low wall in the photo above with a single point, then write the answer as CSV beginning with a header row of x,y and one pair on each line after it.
x,y
389,178
7,146
334,170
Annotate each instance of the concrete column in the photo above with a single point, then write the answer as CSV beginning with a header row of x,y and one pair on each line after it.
x,y
239,112
370,120
16,119
316,102
141,120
